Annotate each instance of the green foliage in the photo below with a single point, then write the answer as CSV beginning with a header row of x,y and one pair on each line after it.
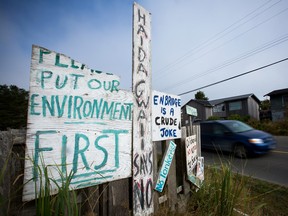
x,y
200,95
4,202
228,193
63,203
221,193
275,197
239,118
278,128
13,107
265,105
211,118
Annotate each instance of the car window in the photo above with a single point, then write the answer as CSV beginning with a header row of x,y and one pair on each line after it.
x,y
237,126
219,129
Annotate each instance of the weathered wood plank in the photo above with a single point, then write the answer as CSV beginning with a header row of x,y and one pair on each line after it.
x,y
78,121
142,135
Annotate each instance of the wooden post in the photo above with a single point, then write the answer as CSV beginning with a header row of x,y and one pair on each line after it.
x,y
186,184
191,126
155,169
171,181
142,131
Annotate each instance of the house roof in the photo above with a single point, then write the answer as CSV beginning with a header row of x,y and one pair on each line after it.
x,y
203,102
240,97
278,92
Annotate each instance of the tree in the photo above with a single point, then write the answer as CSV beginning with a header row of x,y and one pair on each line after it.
x,y
201,96
265,104
13,107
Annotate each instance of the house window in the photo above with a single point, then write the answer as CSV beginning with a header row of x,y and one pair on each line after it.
x,y
219,108
235,105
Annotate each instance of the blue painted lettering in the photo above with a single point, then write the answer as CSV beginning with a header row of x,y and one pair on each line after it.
x,y
75,81
57,61
33,104
78,151
45,75
76,107
96,167
168,132
38,150
42,51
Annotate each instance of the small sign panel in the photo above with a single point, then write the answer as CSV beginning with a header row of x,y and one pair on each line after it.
x,y
166,116
165,167
195,163
191,154
191,111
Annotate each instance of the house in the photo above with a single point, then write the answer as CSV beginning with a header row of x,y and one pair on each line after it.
x,y
279,104
203,108
243,105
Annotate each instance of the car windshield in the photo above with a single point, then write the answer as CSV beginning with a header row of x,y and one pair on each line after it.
x,y
237,126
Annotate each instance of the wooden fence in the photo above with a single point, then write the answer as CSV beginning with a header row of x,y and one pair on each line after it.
x,y
113,198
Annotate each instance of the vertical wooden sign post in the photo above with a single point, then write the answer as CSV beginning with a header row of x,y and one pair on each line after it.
x,y
142,127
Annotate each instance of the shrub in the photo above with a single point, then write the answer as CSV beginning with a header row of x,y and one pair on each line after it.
x,y
213,118
221,193
279,128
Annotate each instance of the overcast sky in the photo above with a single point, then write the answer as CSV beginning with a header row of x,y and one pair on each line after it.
x,y
194,43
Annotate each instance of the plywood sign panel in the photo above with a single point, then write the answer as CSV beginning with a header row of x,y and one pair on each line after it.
x,y
79,122
194,163
166,163
166,116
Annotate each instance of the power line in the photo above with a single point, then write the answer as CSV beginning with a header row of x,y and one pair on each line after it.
x,y
266,20
251,71
218,36
227,63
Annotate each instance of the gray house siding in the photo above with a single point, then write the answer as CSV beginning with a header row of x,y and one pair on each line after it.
x,y
219,110
243,105
277,107
279,104
253,109
242,111
208,112
204,111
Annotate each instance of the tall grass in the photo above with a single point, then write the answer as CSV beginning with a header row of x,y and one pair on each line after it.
x,y
4,202
63,203
222,193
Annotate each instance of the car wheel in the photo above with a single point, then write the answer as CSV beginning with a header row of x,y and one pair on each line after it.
x,y
240,151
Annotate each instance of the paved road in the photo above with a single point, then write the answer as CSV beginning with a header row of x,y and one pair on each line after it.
x,y
272,167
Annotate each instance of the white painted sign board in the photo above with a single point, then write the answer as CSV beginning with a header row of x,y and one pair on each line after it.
x,y
78,121
194,163
142,134
166,116
191,154
166,163
191,111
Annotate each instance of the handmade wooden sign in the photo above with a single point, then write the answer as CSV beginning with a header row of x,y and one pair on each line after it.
x,y
166,116
142,135
79,123
194,163
166,163
191,154
191,111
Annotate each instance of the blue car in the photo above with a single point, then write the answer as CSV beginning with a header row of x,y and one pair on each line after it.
x,y
235,137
